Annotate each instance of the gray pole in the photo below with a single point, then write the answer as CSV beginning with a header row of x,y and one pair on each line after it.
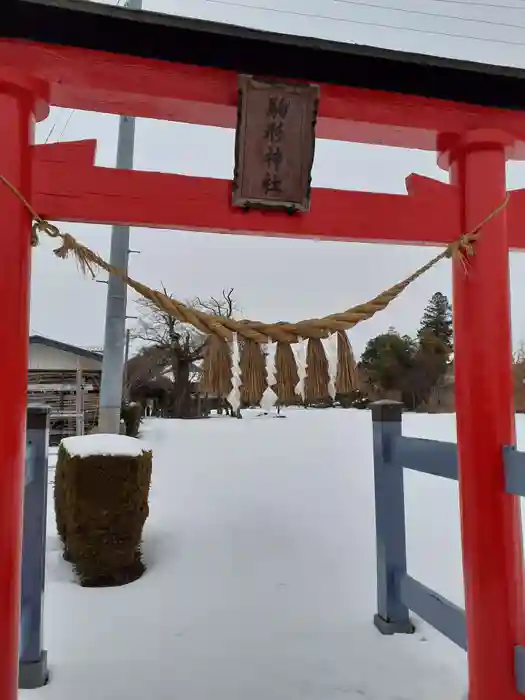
x,y
115,331
33,672
125,391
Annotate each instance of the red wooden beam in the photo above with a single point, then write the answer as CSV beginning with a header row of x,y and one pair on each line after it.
x,y
68,187
515,210
103,82
69,154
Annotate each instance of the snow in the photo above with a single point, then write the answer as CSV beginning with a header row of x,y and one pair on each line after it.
x,y
101,444
260,548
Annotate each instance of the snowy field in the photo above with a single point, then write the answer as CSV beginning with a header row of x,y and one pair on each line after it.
x,y
260,549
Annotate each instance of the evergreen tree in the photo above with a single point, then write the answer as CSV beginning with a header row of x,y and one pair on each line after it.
x,y
437,321
387,358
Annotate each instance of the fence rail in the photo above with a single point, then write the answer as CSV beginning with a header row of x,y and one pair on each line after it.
x,y
439,612
397,592
426,456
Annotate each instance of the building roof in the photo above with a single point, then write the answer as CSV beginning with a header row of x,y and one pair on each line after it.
x,y
92,25
65,347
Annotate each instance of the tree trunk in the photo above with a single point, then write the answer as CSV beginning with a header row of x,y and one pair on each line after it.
x,y
181,397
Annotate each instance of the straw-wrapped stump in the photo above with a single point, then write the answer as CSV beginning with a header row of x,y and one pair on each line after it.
x,y
131,414
101,493
60,514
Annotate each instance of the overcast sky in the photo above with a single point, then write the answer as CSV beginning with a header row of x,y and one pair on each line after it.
x,y
281,279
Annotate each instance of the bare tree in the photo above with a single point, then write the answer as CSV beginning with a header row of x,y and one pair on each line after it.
x,y
179,346
225,305
145,375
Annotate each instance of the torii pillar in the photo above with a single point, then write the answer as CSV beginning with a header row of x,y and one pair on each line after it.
x,y
490,518
20,102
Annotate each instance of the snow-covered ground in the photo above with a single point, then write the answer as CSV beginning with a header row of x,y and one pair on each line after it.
x,y
261,573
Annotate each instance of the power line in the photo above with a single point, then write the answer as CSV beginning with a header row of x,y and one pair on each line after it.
x,y
50,133
345,20
55,124
70,116
72,112
372,5
437,15
483,4
462,3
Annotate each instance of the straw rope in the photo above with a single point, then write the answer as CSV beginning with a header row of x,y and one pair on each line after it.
x,y
218,326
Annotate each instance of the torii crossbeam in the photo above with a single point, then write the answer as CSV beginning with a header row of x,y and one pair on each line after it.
x,y
86,55
67,186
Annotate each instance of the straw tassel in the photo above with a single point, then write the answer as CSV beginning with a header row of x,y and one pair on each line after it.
x,y
286,374
253,373
217,368
346,380
317,375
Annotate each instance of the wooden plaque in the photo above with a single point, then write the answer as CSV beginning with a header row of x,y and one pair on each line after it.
x,y
275,143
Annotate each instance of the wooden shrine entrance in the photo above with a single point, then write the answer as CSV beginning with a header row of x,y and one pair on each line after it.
x,y
83,55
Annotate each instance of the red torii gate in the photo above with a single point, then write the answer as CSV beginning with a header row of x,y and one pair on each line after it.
x,y
473,143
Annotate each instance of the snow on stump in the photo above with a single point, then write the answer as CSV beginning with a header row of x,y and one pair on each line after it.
x,y
101,493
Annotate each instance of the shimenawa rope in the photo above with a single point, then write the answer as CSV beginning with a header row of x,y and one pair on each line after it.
x,y
257,331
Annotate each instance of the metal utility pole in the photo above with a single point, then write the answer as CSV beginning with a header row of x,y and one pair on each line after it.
x,y
115,331
79,401
125,391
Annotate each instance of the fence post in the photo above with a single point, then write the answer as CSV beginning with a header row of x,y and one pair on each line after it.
x,y
33,671
392,615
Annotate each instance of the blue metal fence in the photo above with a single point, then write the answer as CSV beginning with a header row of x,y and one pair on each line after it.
x,y
397,592
33,672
